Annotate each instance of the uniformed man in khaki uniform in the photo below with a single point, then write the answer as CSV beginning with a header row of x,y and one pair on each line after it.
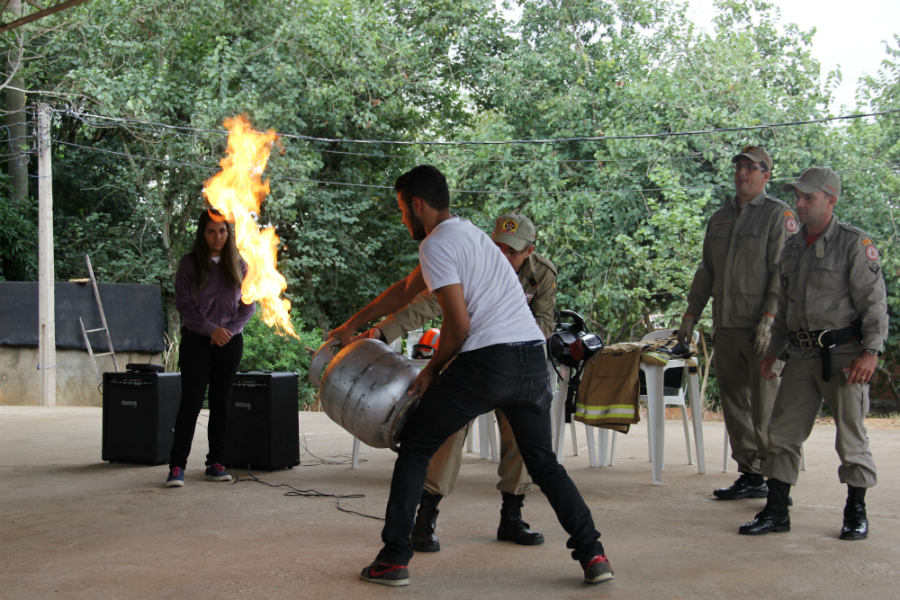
x,y
515,236
832,320
739,271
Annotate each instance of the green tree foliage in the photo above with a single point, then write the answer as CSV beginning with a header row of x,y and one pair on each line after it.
x,y
18,236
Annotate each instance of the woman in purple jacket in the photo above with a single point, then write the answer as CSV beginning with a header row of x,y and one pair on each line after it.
x,y
208,297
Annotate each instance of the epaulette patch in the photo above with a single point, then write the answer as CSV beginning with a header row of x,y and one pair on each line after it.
x,y
866,242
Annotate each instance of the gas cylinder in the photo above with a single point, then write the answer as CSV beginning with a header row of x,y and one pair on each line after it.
x,y
363,389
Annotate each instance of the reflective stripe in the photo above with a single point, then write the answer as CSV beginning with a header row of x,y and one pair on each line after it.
x,y
614,410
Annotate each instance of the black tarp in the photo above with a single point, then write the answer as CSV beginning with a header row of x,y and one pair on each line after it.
x,y
134,315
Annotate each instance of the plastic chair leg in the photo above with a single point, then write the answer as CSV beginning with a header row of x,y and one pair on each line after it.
x,y
560,428
697,419
657,421
612,450
574,439
687,434
355,462
592,454
603,441
492,436
484,440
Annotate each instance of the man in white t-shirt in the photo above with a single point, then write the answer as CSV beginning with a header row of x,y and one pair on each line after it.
x,y
499,363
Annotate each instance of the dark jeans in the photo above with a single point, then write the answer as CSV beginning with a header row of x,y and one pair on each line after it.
x,y
203,363
511,378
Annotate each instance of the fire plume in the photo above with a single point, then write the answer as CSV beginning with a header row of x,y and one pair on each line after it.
x,y
237,191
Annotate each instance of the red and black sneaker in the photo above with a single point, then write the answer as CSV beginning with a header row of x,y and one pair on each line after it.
x,y
597,570
385,574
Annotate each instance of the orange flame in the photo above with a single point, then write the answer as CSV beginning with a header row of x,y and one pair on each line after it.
x,y
237,191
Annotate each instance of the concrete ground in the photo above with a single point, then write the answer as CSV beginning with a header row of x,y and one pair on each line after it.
x,y
76,527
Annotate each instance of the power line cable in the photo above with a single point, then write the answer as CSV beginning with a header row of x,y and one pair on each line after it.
x,y
699,153
503,192
508,142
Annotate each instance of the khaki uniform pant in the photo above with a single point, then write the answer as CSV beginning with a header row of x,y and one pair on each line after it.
x,y
794,415
443,470
747,397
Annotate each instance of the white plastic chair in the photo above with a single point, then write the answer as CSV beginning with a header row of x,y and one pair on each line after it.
x,y
656,400
558,412
488,437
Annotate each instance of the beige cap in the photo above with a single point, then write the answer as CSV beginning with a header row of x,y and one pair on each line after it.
x,y
757,154
516,231
816,179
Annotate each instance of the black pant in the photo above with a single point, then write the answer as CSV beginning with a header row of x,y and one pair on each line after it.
x,y
514,379
203,363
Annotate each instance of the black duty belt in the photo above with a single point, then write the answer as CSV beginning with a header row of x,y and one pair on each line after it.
x,y
825,339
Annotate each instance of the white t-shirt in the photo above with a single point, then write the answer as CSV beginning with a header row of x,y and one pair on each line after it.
x,y
456,251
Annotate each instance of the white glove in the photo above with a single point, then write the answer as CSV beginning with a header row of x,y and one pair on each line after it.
x,y
763,335
685,335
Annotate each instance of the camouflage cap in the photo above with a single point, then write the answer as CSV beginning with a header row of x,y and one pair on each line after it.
x,y
816,179
516,231
757,154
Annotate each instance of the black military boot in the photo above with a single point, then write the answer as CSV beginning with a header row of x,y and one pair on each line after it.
x,y
774,517
747,486
856,525
423,538
512,527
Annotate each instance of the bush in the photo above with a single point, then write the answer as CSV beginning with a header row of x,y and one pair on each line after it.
x,y
264,350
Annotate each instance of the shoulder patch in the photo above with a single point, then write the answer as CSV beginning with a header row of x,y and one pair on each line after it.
x,y
787,213
866,242
790,224
871,252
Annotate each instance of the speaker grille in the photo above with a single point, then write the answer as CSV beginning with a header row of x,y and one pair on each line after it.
x,y
263,428
139,411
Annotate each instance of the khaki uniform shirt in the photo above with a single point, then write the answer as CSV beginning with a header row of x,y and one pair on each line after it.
x,y
739,269
829,285
538,279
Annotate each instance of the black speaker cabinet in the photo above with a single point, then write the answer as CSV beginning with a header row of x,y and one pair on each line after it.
x,y
139,411
263,428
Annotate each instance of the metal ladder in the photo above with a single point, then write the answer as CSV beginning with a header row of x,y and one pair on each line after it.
x,y
105,329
